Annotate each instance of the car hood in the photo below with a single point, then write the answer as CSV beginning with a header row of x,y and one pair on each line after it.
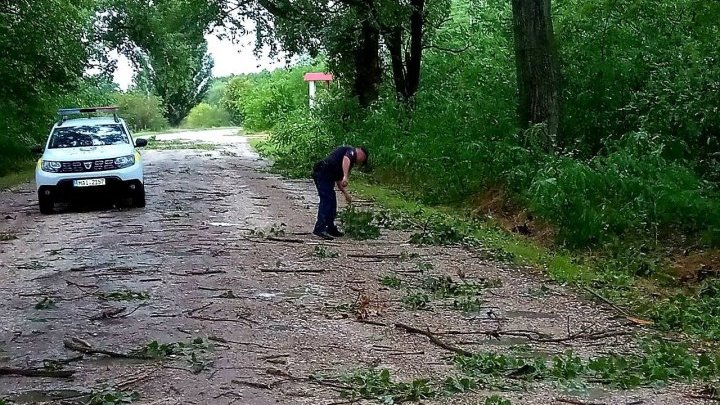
x,y
88,153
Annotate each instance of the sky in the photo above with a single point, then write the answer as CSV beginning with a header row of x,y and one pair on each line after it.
x,y
230,58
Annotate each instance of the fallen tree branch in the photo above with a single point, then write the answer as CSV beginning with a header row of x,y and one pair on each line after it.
x,y
81,346
80,286
576,402
199,273
585,336
434,339
607,301
292,271
239,319
701,396
264,386
36,372
131,312
192,311
134,380
371,322
375,256
223,340
108,313
288,240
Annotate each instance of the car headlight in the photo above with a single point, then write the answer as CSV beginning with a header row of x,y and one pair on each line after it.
x,y
52,167
124,161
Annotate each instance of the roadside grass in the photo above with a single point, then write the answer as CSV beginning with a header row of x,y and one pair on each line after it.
x,y
638,284
657,363
259,143
155,144
24,174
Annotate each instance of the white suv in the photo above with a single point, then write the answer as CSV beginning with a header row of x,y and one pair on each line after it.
x,y
89,154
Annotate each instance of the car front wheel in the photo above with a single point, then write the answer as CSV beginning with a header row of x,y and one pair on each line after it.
x,y
138,199
47,205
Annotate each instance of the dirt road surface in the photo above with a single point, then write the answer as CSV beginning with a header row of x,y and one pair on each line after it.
x,y
205,260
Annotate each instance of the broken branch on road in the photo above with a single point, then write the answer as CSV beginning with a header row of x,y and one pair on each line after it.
x,y
36,372
109,313
81,346
434,339
199,273
292,271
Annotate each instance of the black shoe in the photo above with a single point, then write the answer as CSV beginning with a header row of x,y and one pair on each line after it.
x,y
323,235
335,233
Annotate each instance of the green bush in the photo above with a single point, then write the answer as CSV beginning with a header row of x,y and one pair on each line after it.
x,y
261,101
142,112
205,115
27,124
638,150
631,191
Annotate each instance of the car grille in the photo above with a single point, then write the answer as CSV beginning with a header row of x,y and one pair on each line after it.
x,y
88,166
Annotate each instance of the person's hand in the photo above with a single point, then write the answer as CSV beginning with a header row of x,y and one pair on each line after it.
x,y
344,182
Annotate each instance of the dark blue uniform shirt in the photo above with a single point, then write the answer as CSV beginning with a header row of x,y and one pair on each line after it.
x,y
331,166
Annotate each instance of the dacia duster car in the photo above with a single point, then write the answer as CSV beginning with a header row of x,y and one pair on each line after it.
x,y
89,154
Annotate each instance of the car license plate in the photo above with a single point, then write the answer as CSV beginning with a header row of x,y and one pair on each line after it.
x,y
89,182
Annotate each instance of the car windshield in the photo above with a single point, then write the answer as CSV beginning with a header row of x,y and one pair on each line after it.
x,y
88,135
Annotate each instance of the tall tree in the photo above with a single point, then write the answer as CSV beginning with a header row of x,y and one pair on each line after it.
x,y
537,65
352,34
165,39
44,50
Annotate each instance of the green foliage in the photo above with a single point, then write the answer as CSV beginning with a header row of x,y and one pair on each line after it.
x,y
444,286
263,100
42,67
698,313
142,112
205,115
113,397
195,352
392,281
633,190
325,253
165,40
416,300
216,91
123,295
378,385
567,366
637,145
659,362
359,224
45,303
440,234
459,384
497,400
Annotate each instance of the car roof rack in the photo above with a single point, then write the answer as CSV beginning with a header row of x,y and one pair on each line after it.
x,y
64,113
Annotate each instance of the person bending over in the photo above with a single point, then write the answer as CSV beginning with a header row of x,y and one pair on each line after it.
x,y
331,171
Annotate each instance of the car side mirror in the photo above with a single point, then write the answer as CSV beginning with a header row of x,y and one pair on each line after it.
x,y
141,142
37,149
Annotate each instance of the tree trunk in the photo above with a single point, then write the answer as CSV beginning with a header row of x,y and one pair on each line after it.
x,y
406,71
537,65
367,64
417,23
393,42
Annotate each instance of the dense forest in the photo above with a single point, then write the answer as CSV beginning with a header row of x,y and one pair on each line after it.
x,y
580,137
594,122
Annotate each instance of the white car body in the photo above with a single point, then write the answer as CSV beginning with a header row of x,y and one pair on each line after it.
x,y
59,169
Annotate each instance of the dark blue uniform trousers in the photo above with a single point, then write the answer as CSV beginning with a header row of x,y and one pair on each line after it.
x,y
328,202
